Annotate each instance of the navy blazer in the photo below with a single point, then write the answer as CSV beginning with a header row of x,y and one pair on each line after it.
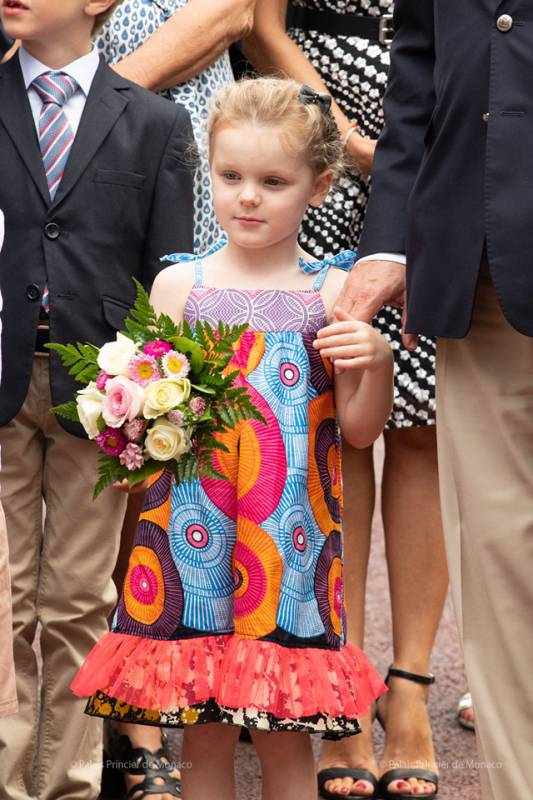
x,y
454,165
125,199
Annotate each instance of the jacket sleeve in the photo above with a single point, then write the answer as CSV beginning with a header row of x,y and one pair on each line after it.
x,y
171,226
408,107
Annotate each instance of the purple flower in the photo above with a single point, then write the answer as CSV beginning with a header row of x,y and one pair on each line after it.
x,y
102,379
131,457
197,405
157,348
135,429
112,441
176,417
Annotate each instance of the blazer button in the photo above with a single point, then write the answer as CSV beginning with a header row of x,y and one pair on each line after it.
x,y
33,292
52,230
504,23
486,118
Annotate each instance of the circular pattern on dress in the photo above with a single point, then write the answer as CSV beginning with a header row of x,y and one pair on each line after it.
x,y
258,568
152,597
201,541
289,373
329,588
325,474
299,541
355,72
197,535
158,490
255,466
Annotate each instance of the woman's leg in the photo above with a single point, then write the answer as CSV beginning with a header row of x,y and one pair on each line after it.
x,y
287,765
359,499
418,580
208,758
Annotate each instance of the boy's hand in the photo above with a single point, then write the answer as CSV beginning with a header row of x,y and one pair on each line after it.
x,y
352,344
123,486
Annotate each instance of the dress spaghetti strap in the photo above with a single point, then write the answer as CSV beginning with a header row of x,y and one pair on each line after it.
x,y
197,258
344,260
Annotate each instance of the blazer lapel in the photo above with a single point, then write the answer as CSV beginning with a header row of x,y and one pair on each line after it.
x,y
16,116
103,107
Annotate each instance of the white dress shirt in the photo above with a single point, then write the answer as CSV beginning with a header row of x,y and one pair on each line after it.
x,y
398,258
82,70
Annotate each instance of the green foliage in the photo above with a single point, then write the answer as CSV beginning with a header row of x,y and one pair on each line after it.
x,y
81,359
67,410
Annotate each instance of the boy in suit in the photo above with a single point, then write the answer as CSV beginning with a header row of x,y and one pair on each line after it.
x,y
95,187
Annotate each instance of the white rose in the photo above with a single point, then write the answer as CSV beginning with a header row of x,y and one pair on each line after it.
x,y
89,402
165,441
162,396
114,357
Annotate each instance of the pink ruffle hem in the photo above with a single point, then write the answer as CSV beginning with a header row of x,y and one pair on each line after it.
x,y
236,673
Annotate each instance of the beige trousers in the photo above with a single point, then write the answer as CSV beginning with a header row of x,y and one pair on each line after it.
x,y
485,440
61,578
8,692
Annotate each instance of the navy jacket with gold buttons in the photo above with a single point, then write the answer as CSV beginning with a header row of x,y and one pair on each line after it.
x,y
453,171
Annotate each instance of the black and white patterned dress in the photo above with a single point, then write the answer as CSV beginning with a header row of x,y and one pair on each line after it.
x,y
355,72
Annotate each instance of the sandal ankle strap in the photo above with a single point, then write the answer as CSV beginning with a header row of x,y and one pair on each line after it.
x,y
393,672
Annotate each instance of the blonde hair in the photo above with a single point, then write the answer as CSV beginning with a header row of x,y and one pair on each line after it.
x,y
101,19
305,127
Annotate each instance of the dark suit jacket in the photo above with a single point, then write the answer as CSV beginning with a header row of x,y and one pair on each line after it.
x,y
445,181
125,200
5,41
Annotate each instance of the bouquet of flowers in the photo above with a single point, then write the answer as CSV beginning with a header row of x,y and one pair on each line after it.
x,y
157,396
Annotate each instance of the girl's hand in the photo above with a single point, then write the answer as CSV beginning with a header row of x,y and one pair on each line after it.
x,y
352,344
123,486
360,153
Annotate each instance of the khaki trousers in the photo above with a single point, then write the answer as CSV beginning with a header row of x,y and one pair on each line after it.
x,y
61,578
485,441
8,692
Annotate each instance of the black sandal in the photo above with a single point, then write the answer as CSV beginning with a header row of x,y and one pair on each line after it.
x,y
155,766
356,774
403,774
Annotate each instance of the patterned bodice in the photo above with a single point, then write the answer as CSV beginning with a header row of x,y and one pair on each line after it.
x,y
371,7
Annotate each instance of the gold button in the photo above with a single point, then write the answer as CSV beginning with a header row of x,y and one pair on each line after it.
x,y
486,118
504,23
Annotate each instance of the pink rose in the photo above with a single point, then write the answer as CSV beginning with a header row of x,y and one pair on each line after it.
x,y
124,400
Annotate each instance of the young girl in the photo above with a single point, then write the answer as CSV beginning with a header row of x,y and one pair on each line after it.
x,y
232,610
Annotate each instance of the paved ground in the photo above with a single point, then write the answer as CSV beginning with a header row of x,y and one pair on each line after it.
x,y
455,747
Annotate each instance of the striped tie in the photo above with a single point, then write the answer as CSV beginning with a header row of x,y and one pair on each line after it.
x,y
55,133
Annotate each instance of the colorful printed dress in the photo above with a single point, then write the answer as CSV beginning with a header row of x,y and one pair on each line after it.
x,y
233,609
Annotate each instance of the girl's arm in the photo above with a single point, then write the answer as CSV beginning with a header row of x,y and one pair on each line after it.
x,y
187,43
363,366
270,49
171,289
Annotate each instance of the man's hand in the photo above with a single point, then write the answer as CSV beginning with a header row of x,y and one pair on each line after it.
x,y
372,285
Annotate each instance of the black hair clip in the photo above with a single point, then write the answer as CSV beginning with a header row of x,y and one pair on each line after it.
x,y
308,95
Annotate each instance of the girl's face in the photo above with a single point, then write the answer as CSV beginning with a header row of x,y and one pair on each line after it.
x,y
260,189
